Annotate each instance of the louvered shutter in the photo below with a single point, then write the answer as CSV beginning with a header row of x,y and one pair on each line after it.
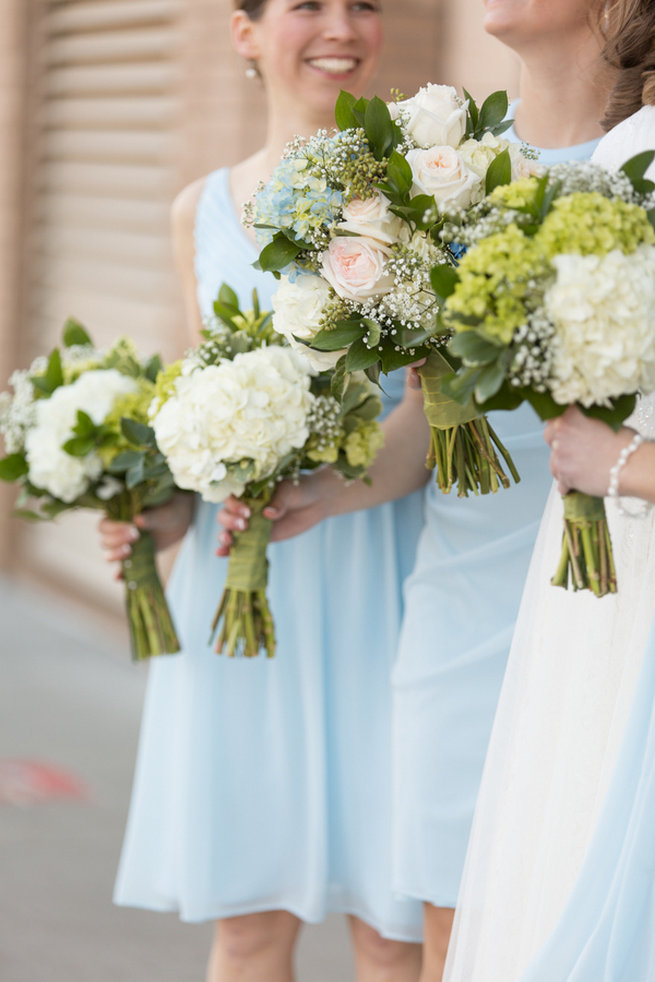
x,y
103,172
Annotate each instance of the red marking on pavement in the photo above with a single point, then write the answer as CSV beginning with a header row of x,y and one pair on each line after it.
x,y
29,782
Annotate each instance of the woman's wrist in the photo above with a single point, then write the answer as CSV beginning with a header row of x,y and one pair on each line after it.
x,y
637,475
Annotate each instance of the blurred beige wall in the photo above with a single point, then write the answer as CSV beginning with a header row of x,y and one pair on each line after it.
x,y
107,109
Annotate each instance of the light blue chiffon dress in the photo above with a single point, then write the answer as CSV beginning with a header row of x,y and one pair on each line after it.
x,y
461,602
260,783
606,932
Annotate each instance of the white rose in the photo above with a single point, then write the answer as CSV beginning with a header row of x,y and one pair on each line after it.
x,y
297,311
354,266
371,217
434,116
440,172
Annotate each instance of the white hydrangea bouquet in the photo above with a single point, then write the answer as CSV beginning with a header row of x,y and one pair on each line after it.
x,y
354,221
75,436
240,413
554,303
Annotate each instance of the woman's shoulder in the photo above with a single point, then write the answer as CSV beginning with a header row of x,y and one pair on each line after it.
x,y
627,138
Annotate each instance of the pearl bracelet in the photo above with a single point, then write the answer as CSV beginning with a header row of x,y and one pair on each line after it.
x,y
643,507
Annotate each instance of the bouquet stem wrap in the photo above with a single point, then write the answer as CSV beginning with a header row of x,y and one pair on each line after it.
x,y
586,561
243,620
463,446
152,631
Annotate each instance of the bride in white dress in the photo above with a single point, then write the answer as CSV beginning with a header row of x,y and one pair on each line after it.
x,y
571,675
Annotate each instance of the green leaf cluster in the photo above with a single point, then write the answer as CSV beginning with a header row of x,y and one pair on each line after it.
x,y
372,115
490,117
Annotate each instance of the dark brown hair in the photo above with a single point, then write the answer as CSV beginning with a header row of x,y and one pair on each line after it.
x,y
629,47
254,8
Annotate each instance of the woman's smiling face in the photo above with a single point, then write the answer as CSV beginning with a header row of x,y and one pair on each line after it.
x,y
308,51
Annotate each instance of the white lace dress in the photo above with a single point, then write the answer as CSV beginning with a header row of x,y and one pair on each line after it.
x,y
568,689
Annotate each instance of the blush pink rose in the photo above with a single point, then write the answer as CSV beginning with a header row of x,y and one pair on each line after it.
x,y
354,266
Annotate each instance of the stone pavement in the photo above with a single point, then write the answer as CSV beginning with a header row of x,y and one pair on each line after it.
x,y
70,702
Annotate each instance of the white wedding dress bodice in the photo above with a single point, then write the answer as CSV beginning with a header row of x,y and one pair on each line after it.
x,y
567,693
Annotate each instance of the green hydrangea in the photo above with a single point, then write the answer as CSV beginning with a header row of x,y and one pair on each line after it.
x,y
164,385
518,194
496,280
363,443
587,223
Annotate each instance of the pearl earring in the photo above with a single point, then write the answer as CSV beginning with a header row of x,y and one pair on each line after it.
x,y
251,70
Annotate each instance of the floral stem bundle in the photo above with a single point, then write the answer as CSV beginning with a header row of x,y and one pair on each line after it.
x,y
355,221
586,561
75,436
554,304
150,625
243,622
463,445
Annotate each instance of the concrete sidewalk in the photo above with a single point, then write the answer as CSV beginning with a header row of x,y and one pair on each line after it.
x,y
70,702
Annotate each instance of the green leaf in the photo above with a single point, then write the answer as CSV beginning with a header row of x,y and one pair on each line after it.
x,y
399,174
344,111
278,254
493,110
474,349
615,414
472,113
228,297
499,171
360,357
74,333
123,461
489,382
338,379
444,279
153,368
53,376
85,426
340,336
138,434
391,359
461,386
79,446
636,167
543,404
379,128
135,475
13,467
373,373
412,337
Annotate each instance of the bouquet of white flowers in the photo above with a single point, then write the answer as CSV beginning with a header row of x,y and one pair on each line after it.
x,y
75,434
355,221
554,303
240,413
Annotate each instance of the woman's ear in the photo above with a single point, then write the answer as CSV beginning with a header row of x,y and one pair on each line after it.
x,y
244,39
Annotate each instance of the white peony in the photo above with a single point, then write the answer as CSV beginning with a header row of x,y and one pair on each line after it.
x,y
251,409
603,309
371,217
297,311
51,468
441,172
435,116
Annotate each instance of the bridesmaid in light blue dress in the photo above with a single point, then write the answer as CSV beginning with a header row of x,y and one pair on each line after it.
x,y
265,783
262,794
